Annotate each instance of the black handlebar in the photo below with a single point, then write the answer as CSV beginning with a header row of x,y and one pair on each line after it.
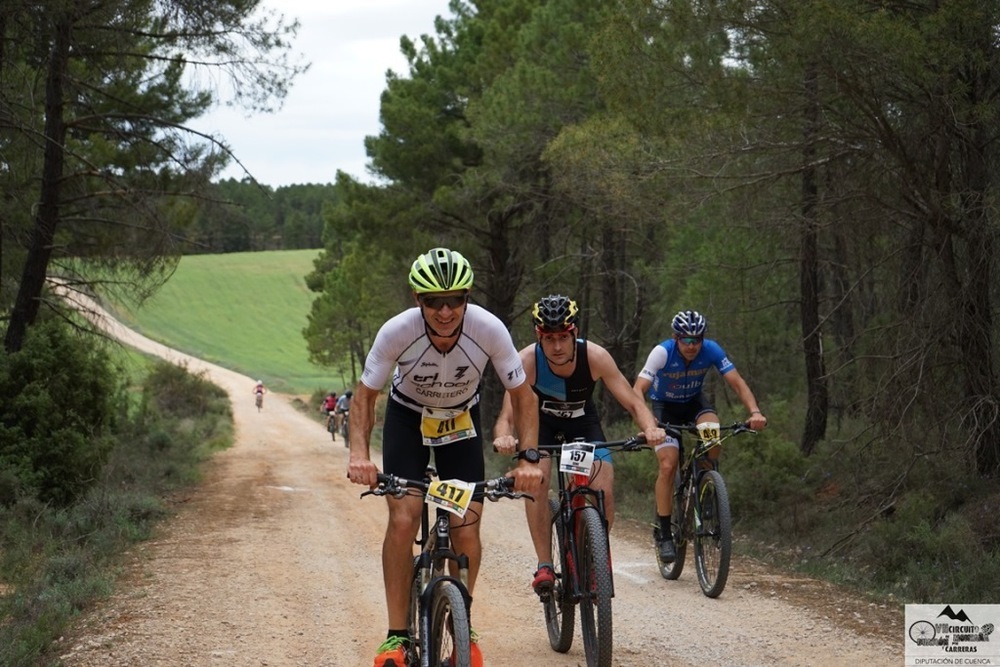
x,y
392,485
631,444
688,427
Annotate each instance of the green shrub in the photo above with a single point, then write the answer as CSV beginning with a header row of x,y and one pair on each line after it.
x,y
58,558
765,475
929,553
59,404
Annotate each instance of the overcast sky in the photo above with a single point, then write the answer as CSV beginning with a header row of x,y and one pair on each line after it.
x,y
330,109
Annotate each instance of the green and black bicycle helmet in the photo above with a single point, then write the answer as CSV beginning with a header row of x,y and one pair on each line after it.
x,y
440,270
555,314
689,323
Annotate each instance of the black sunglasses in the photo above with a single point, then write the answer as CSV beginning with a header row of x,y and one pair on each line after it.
x,y
439,302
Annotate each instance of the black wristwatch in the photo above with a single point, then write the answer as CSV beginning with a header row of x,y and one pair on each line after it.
x,y
530,455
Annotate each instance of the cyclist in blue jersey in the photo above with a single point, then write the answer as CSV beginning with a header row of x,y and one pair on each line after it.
x,y
673,376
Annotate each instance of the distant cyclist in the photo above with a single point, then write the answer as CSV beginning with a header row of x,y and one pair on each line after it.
x,y
343,406
328,407
258,391
673,375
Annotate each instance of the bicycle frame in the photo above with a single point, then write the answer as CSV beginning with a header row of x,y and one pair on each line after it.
x,y
575,494
438,601
699,485
581,551
692,467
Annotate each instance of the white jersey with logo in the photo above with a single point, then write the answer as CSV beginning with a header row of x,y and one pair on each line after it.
x,y
422,376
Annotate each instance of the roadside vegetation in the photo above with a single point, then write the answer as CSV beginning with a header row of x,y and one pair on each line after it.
x,y
93,443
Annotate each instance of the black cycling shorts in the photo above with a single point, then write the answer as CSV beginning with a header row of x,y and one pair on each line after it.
x,y
405,455
682,413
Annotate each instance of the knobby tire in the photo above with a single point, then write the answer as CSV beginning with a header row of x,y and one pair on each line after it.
x,y
450,634
595,578
713,540
679,520
413,617
559,608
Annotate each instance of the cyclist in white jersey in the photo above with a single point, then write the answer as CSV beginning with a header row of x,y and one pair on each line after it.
x,y
436,354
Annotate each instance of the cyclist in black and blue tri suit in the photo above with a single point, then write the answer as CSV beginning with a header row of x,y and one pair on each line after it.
x,y
673,376
563,371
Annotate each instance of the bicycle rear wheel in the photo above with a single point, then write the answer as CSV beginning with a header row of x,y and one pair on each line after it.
x,y
595,578
450,634
713,538
560,611
678,520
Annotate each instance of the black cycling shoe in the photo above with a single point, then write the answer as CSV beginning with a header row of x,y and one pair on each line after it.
x,y
666,551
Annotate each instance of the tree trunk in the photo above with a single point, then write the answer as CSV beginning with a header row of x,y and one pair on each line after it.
x,y
500,282
809,276
36,264
613,301
975,337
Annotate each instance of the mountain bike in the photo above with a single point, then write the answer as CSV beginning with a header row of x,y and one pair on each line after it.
x,y
259,401
345,428
331,426
581,553
701,513
439,603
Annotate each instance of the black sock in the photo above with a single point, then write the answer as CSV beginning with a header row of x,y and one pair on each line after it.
x,y
664,525
405,634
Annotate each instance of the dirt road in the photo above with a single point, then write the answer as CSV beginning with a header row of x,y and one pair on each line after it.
x,y
274,561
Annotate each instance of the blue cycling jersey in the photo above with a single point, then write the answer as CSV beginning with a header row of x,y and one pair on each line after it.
x,y
673,379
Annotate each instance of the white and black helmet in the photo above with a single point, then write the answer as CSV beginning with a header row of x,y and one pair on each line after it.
x,y
689,323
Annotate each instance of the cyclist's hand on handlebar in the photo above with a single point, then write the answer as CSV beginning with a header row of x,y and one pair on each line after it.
x,y
362,471
528,478
505,444
757,421
654,436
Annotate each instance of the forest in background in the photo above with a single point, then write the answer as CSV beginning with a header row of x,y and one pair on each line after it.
x,y
818,177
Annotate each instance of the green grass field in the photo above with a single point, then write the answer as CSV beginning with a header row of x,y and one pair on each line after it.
x,y
242,311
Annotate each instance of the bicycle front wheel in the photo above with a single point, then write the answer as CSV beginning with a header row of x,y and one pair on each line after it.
x,y
450,634
713,538
560,612
595,579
